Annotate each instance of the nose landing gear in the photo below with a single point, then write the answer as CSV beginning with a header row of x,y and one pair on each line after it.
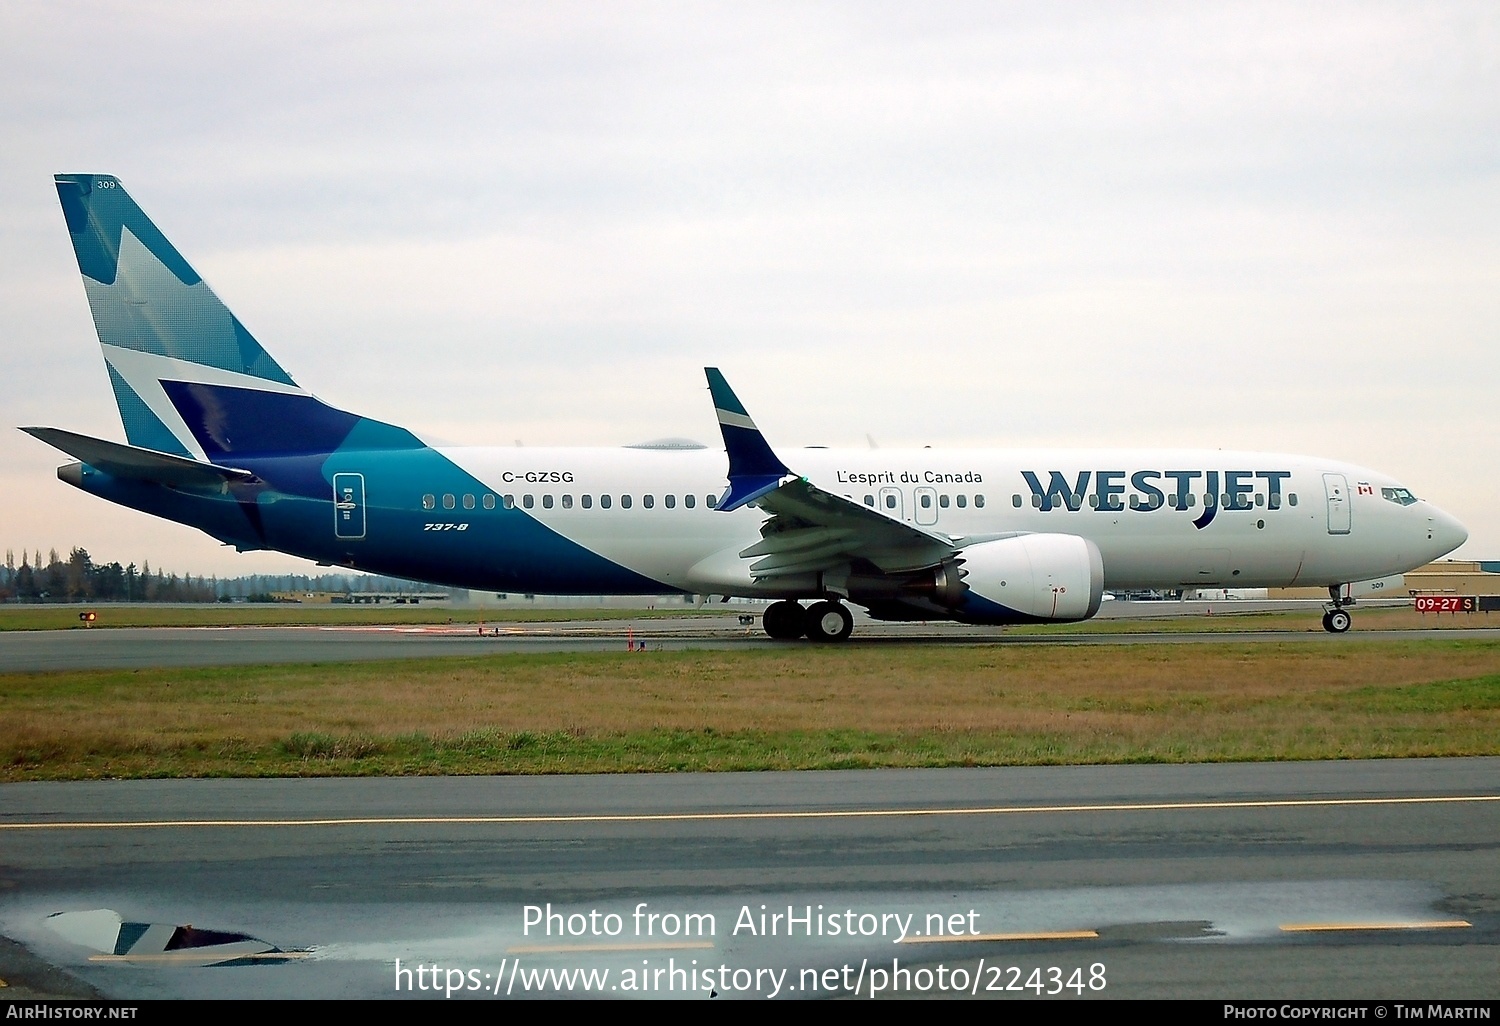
x,y
1336,618
1337,621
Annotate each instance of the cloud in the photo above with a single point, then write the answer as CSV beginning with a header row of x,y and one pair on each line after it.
x,y
1262,226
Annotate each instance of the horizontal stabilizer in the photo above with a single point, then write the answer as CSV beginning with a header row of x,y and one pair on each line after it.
x,y
137,464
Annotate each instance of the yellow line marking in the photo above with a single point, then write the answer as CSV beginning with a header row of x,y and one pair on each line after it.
x,y
1441,924
1055,935
542,949
200,955
711,817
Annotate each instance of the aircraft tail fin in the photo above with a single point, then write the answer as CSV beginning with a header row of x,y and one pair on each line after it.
x,y
188,378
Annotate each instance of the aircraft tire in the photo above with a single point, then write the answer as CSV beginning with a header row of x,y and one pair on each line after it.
x,y
829,621
1338,621
784,621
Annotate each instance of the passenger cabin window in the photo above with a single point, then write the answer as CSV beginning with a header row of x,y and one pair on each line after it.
x,y
671,501
926,501
962,500
711,500
448,502
509,502
1292,498
979,501
567,501
604,501
943,500
528,501
429,502
489,501
588,502
1015,500
546,501
890,502
649,501
689,500
870,501
468,502
624,502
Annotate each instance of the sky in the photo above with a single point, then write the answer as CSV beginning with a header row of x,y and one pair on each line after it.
x,y
1255,225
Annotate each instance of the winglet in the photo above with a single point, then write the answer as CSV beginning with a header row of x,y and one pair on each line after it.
x,y
754,469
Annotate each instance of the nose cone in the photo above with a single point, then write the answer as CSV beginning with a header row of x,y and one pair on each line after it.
x,y
1445,532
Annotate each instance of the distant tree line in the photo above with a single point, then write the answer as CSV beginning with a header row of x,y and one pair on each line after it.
x,y
79,579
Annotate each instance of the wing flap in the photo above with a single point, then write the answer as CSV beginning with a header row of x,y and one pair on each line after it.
x,y
813,557
796,539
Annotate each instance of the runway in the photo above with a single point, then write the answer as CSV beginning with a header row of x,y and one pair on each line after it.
x,y
1330,880
138,648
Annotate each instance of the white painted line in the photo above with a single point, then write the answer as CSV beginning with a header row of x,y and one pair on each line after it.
x,y
1441,924
709,817
547,949
1043,936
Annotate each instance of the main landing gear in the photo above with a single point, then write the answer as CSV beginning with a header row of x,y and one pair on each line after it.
x,y
1336,618
821,621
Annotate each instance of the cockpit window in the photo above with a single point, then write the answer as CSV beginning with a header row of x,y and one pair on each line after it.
x,y
1400,496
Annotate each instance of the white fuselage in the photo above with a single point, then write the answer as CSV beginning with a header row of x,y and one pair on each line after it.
x,y
1269,519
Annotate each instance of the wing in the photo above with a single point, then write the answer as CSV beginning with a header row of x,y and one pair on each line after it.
x,y
810,530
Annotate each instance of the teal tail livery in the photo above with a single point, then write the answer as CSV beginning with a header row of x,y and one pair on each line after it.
x,y
188,378
220,437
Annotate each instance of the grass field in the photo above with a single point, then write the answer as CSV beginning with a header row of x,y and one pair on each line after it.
x,y
290,614
801,707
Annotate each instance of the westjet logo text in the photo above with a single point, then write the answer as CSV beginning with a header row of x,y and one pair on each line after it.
x,y
1112,491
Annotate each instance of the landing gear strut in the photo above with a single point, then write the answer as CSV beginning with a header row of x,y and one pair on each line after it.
x,y
1336,618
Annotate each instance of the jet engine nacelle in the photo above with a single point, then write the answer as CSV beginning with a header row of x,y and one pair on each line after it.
x,y
1032,577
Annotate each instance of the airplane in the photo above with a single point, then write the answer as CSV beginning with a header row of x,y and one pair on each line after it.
x,y
221,438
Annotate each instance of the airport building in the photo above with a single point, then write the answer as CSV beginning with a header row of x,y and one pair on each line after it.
x,y
1444,577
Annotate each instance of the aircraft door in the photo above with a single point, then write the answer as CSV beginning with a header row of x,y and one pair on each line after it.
x,y
349,506
927,507
1336,487
892,504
